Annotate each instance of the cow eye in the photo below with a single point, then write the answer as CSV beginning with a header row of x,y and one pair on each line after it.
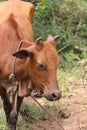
x,y
41,66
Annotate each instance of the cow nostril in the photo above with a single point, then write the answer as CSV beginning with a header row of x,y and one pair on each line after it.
x,y
54,95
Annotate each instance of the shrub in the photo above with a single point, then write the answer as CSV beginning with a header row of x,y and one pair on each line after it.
x,y
68,19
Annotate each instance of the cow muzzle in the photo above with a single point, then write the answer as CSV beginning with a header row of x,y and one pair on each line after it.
x,y
53,96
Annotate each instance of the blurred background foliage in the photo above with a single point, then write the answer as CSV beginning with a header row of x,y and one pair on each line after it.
x,y
67,18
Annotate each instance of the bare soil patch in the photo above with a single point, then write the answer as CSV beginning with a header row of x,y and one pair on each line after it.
x,y
71,112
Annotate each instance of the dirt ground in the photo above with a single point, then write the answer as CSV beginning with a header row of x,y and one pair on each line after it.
x,y
70,112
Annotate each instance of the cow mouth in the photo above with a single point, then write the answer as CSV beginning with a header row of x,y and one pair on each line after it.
x,y
37,94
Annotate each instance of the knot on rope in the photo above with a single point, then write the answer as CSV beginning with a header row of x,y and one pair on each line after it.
x,y
12,77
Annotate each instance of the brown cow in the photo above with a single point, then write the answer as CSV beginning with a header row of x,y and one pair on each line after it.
x,y
35,64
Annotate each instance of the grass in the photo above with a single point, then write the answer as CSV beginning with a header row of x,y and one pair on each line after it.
x,y
28,114
32,112
62,81
2,120
68,78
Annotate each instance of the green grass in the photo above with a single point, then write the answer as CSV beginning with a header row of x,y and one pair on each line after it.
x,y
68,78
32,112
2,120
28,114
62,77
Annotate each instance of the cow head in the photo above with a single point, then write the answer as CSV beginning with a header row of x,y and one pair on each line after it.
x,y
42,66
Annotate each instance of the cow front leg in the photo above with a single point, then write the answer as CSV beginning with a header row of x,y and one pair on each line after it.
x,y
16,104
6,103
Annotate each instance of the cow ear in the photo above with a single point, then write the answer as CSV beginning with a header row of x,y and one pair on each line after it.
x,y
22,54
52,40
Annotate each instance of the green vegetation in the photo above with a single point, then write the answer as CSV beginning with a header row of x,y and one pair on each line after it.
x,y
30,113
67,18
33,112
2,120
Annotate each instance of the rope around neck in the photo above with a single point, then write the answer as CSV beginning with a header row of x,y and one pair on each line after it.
x,y
12,75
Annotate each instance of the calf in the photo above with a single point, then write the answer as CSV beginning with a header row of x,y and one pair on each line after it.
x,y
35,64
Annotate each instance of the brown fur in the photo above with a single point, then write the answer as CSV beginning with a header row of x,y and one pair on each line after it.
x,y
36,64
15,24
